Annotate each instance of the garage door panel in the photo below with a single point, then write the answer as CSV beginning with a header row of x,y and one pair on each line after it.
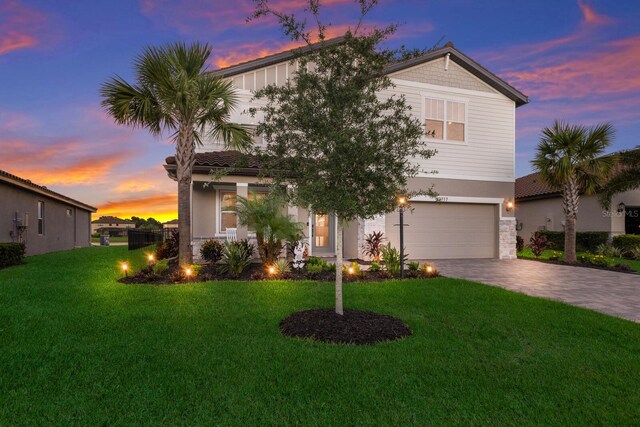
x,y
448,230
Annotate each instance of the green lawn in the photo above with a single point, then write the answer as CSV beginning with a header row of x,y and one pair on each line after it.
x,y
79,348
115,239
526,253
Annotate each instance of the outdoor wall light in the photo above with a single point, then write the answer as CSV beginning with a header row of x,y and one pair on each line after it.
x,y
509,206
621,207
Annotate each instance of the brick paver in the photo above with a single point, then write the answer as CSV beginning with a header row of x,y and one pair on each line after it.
x,y
617,294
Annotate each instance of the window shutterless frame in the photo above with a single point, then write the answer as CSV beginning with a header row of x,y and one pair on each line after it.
x,y
443,114
40,217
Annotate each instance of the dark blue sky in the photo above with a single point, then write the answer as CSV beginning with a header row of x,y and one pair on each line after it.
x,y
577,60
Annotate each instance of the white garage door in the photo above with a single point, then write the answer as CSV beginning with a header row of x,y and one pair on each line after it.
x,y
447,230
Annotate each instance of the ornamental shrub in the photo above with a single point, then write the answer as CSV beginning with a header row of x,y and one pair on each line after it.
x,y
212,250
519,244
586,241
626,243
538,243
11,254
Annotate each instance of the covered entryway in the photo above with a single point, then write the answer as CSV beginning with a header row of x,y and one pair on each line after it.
x,y
447,230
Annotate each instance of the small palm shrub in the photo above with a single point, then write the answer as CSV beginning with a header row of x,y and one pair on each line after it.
x,y
236,258
391,257
372,243
212,250
314,269
316,262
608,251
538,244
282,266
635,253
413,266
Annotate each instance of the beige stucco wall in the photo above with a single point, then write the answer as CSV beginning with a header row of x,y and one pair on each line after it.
x,y
535,214
61,231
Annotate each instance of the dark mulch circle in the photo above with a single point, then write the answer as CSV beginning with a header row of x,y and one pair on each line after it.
x,y
354,327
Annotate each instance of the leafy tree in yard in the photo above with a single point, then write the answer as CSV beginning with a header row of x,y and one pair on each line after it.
x,y
627,178
173,92
343,149
569,158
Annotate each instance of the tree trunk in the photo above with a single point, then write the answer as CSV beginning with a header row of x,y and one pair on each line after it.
x,y
570,199
339,309
185,157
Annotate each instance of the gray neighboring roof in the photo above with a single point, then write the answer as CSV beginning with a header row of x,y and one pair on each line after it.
x,y
26,184
456,56
112,220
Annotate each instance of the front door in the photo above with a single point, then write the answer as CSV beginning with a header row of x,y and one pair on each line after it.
x,y
323,233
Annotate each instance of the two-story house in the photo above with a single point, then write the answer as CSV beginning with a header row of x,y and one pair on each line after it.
x,y
473,113
112,225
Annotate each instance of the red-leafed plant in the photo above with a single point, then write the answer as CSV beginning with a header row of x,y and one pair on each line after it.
x,y
372,243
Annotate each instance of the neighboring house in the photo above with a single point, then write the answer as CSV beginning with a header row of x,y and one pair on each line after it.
x,y
473,113
539,207
112,225
170,224
44,220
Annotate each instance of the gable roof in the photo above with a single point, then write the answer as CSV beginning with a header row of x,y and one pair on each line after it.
x,y
468,64
26,184
111,220
455,55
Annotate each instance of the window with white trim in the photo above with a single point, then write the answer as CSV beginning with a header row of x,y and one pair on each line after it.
x,y
228,215
445,119
227,200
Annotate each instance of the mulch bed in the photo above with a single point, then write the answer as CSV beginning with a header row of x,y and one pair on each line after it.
x,y
354,327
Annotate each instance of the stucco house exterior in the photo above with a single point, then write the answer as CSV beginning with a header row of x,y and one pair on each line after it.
x,y
473,113
539,207
44,220
111,224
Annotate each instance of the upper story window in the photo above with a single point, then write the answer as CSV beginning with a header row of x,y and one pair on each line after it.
x,y
41,218
447,119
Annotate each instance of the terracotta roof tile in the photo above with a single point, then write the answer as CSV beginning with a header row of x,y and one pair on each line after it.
x,y
533,186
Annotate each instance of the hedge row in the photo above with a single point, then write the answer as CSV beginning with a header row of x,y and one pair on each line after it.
x,y
11,254
586,241
626,242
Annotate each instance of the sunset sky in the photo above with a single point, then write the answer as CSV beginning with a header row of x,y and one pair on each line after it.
x,y
577,60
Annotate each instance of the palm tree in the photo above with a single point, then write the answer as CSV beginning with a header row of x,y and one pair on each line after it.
x,y
174,92
569,158
271,224
626,178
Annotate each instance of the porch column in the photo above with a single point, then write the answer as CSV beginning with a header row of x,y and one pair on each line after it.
x,y
242,189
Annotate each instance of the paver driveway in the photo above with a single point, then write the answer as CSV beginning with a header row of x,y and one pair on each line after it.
x,y
617,294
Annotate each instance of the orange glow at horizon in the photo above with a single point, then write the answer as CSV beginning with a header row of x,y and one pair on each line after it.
x,y
161,207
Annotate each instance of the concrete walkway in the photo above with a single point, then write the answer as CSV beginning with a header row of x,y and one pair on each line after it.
x,y
617,294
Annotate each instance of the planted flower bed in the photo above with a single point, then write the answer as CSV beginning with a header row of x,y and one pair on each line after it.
x,y
235,261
